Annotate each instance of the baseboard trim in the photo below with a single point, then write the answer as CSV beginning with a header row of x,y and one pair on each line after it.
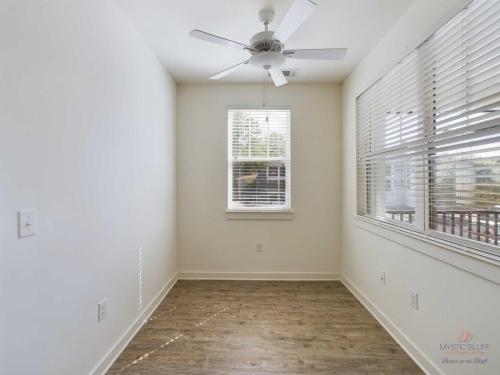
x,y
271,276
419,357
110,357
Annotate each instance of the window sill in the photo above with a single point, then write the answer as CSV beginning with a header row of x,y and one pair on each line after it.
x,y
463,257
259,215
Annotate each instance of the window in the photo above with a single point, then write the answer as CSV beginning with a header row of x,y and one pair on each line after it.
x,y
428,135
259,159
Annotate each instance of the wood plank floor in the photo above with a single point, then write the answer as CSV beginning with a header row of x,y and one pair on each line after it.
x,y
262,328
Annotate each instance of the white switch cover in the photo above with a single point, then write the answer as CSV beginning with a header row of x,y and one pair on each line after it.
x,y
26,223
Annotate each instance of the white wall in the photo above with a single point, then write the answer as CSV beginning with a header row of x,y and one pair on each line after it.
x,y
456,292
87,138
207,241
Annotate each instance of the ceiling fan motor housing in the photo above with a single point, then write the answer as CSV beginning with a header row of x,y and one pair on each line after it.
x,y
266,51
264,41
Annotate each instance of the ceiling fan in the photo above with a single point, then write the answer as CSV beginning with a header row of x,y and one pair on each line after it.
x,y
267,48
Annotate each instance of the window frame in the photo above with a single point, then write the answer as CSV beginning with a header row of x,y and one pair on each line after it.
x,y
422,227
258,213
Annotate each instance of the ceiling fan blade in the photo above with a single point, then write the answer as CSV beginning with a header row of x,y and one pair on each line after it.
x,y
198,34
317,54
296,15
278,77
229,70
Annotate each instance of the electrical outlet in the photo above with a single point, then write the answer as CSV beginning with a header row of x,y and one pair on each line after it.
x,y
259,247
414,299
101,310
26,223
381,277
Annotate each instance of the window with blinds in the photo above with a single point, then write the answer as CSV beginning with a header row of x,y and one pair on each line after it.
x,y
259,159
428,134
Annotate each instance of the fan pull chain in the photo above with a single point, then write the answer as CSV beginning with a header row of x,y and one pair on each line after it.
x,y
264,88
267,97
265,93
266,72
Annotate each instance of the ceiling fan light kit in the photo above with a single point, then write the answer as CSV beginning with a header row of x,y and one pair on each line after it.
x,y
267,48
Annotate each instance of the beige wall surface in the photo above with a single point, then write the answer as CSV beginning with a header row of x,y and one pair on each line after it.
x,y
207,240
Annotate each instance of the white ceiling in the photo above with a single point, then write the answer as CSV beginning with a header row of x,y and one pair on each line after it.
x,y
165,24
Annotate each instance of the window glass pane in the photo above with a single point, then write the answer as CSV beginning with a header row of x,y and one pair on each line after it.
x,y
400,188
259,184
464,160
391,126
259,159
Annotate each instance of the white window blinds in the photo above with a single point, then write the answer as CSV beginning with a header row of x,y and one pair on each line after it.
x,y
390,128
428,134
259,159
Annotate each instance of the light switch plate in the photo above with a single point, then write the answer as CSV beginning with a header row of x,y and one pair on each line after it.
x,y
26,223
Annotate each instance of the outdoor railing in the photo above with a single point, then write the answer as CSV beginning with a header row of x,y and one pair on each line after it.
x,y
479,225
